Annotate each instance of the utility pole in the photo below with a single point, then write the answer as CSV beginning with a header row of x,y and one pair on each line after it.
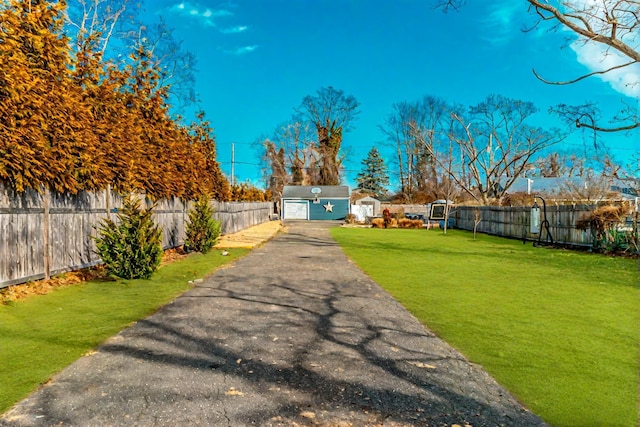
x,y
233,164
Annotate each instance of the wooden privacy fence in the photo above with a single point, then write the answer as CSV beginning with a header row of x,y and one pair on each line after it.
x,y
42,234
235,216
514,222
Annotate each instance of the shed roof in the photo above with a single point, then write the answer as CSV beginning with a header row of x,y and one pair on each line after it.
x,y
367,199
304,191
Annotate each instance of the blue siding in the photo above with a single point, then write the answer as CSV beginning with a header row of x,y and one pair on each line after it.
x,y
340,209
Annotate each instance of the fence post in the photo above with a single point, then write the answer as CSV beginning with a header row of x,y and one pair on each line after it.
x,y
107,200
46,204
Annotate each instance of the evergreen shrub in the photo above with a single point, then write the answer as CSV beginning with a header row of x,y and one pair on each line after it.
x,y
130,247
202,230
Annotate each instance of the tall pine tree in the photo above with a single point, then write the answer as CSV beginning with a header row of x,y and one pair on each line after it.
x,y
373,176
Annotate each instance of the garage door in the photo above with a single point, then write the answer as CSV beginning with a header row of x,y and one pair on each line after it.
x,y
296,209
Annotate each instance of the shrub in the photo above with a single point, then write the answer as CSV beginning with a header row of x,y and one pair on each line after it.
x,y
377,223
202,230
130,247
350,219
381,223
604,222
409,223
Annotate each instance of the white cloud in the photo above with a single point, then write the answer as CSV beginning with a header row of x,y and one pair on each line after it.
x,y
596,58
235,30
204,15
242,50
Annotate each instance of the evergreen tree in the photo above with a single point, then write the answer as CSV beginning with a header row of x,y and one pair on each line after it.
x,y
130,247
202,230
374,176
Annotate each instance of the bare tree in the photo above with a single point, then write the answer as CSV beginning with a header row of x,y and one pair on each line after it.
x,y
276,176
477,219
417,168
447,5
591,187
398,132
332,113
176,65
99,18
291,155
113,29
614,25
492,146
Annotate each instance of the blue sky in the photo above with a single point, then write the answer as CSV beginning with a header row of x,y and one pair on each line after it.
x,y
257,59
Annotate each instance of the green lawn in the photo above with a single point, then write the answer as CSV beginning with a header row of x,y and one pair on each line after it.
x,y
42,334
558,328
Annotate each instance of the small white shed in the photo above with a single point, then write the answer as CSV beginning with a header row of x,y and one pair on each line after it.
x,y
366,207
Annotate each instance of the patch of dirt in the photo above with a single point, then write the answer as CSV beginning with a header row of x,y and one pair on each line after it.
x,y
251,237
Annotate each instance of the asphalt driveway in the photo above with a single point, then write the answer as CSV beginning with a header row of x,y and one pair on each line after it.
x,y
292,334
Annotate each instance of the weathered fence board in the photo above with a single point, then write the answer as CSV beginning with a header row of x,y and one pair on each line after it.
x,y
72,220
514,222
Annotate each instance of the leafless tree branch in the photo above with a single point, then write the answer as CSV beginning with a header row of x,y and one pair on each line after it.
x,y
447,5
568,82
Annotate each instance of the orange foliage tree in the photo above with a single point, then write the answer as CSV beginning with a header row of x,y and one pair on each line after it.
x,y
74,122
248,193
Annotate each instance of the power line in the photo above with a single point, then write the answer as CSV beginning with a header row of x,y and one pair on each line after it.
x,y
240,163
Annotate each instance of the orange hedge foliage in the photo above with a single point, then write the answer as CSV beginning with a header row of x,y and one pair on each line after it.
x,y
71,122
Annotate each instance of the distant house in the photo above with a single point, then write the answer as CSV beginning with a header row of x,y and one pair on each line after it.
x,y
551,185
315,202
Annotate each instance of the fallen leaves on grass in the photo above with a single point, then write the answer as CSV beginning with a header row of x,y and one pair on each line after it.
x,y
43,287
171,255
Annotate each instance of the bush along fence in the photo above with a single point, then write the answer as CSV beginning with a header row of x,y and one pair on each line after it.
x,y
42,234
514,222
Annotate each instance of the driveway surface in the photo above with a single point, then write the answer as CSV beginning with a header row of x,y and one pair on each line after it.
x,y
293,334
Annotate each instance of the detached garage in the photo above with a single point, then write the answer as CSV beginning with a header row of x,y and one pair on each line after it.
x,y
320,202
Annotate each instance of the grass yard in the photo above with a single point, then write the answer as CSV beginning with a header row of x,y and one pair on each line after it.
x,y
42,334
559,329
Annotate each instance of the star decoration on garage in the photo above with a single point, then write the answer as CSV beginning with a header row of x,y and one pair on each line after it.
x,y
328,207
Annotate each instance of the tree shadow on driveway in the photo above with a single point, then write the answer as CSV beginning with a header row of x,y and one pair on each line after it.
x,y
291,334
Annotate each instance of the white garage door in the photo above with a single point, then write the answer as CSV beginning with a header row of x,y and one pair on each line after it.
x,y
296,209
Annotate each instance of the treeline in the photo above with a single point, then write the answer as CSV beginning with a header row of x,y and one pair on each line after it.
x,y
71,120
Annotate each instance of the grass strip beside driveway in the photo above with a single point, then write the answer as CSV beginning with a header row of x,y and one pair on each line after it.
x,y
42,334
558,328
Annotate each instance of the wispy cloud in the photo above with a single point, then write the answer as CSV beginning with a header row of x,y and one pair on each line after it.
x,y
235,30
242,50
501,23
596,57
206,16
